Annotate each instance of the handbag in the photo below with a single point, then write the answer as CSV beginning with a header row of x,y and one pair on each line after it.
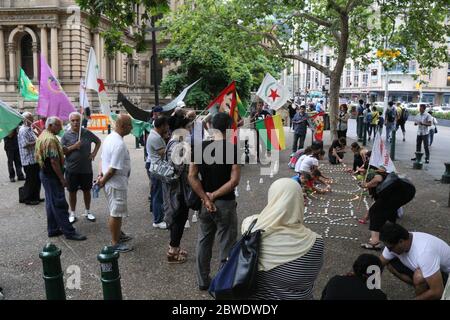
x,y
235,278
435,130
163,170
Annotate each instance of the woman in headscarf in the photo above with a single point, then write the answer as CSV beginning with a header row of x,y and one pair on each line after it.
x,y
291,255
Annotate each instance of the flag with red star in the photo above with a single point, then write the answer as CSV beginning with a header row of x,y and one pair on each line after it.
x,y
272,92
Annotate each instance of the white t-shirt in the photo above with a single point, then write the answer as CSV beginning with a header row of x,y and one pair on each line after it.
x,y
427,252
299,162
308,163
115,155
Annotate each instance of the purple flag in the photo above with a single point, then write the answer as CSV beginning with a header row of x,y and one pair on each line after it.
x,y
53,101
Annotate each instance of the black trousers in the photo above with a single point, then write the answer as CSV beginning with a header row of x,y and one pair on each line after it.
x,y
425,140
14,160
296,145
32,186
342,133
177,226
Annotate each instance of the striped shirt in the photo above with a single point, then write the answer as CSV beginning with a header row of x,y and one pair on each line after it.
x,y
293,280
25,137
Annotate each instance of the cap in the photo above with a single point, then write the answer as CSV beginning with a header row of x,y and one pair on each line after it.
x,y
181,104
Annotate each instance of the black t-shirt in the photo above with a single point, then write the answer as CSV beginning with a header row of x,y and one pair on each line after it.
x,y
214,164
350,288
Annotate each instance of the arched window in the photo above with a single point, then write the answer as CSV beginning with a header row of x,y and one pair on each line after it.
x,y
26,55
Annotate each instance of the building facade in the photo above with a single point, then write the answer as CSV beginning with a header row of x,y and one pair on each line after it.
x,y
61,33
369,83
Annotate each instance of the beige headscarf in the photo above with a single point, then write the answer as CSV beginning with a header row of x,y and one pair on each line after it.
x,y
285,237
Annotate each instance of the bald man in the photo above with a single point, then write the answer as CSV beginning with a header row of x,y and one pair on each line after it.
x,y
115,170
27,141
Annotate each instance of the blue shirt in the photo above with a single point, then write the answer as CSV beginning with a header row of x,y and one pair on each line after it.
x,y
319,107
300,128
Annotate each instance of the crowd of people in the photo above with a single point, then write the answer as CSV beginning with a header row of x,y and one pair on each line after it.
x,y
291,255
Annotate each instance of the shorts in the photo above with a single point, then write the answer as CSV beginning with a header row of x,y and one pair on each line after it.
x,y
78,181
401,268
117,202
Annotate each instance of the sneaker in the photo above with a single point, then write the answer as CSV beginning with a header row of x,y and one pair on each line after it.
x,y
413,159
161,225
187,225
427,161
121,247
72,217
12,180
89,216
76,237
404,140
21,179
124,237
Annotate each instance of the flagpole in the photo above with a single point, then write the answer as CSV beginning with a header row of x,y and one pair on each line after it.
x,y
85,81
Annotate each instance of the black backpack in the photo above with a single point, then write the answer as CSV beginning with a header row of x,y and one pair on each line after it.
x,y
390,117
405,114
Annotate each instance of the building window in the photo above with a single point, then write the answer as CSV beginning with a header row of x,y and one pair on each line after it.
x,y
26,55
365,78
348,82
356,76
428,98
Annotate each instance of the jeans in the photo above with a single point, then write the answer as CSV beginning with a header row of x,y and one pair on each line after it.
x,y
431,134
157,200
222,223
425,140
56,206
32,186
296,146
389,128
14,160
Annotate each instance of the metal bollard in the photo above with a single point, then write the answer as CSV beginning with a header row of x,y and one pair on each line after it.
x,y
446,176
110,275
53,274
247,151
360,130
137,143
393,141
418,165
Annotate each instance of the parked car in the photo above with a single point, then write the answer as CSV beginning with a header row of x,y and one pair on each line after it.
x,y
415,106
443,109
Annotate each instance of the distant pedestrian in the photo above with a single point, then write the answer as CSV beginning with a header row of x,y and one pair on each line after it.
x,y
319,106
79,156
292,108
337,151
433,128
342,121
380,122
220,174
13,155
389,120
402,117
367,119
115,168
86,117
374,122
359,113
300,122
50,156
423,121
27,142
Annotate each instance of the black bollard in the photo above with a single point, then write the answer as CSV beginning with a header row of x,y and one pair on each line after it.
x,y
360,130
53,275
418,165
110,275
393,140
247,151
364,142
109,128
446,176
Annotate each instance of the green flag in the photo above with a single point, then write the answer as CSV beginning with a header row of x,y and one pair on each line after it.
x,y
138,126
26,88
9,119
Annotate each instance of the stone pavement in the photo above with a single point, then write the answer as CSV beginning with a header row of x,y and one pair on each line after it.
x,y
145,272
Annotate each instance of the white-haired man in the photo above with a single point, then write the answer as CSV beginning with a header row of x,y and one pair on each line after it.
x,y
50,157
79,156
27,141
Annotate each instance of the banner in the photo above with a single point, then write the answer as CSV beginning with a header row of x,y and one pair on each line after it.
x,y
380,155
273,93
317,123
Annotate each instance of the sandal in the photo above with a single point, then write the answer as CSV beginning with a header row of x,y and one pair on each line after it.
x,y
362,221
179,251
175,258
370,246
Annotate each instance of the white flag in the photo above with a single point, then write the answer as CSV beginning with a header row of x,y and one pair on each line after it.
x,y
273,93
380,156
84,102
93,82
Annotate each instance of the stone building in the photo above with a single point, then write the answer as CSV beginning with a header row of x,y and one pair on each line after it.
x,y
61,33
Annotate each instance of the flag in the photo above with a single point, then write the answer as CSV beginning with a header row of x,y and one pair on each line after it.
x,y
84,102
93,82
273,93
138,126
135,112
53,101
172,104
9,119
26,88
242,107
272,132
380,155
225,101
317,123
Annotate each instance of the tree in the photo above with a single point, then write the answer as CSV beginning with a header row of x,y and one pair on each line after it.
x,y
351,28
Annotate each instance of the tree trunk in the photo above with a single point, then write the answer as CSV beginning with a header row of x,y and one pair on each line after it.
x,y
335,87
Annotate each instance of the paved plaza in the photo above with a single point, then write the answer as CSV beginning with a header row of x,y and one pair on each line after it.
x,y
145,272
